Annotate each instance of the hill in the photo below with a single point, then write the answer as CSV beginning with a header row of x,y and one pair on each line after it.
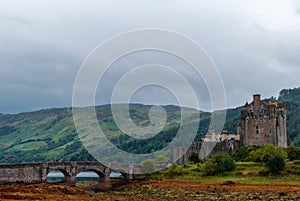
x,y
47,134
291,97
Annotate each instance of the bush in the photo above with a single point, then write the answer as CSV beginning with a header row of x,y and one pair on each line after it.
x,y
241,154
293,153
161,159
296,162
276,164
174,170
267,152
194,157
273,157
218,164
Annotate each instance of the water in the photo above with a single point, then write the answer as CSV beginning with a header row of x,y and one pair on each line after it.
x,y
86,176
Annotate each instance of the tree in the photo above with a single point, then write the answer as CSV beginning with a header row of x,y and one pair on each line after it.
x,y
161,158
276,164
273,157
194,157
241,154
256,155
174,170
266,152
293,153
219,164
269,151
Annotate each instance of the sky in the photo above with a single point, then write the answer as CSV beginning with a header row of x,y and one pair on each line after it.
x,y
254,44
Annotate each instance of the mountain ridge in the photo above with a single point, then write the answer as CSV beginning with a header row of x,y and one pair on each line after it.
x,y
46,134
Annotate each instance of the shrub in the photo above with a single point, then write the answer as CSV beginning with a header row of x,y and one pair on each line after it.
x,y
218,164
194,157
275,164
269,151
296,162
256,155
273,157
161,159
293,153
266,152
241,154
174,170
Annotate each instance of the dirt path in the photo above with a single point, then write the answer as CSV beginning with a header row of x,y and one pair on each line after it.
x,y
153,191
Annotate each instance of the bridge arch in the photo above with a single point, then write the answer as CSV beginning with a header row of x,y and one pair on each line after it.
x,y
97,171
122,172
101,175
64,171
89,175
56,176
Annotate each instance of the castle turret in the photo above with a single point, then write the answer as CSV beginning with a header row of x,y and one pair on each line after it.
x,y
256,102
263,122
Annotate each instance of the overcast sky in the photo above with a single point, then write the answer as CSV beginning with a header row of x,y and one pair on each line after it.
x,y
255,45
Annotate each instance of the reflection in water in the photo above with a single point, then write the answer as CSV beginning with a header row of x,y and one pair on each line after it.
x,y
83,177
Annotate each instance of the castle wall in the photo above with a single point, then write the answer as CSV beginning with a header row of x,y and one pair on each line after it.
x,y
282,140
226,146
263,122
261,132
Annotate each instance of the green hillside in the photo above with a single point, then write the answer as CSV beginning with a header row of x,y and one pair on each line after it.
x,y
47,134
291,97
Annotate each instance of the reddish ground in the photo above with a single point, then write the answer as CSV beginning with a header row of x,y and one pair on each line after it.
x,y
152,191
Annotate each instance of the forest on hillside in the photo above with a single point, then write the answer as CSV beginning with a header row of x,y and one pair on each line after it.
x,y
48,134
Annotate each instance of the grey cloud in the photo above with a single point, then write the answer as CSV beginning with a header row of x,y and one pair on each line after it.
x,y
44,43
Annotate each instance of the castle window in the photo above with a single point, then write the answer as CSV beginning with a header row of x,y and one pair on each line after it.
x,y
257,130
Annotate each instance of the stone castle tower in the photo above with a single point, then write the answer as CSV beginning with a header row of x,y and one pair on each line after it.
x,y
263,122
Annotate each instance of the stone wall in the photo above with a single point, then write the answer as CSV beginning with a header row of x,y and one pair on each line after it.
x,y
204,149
27,173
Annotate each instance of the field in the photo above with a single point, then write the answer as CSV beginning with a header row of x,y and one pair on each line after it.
x,y
154,190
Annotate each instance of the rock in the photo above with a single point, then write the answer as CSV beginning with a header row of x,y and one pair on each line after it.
x,y
228,183
282,194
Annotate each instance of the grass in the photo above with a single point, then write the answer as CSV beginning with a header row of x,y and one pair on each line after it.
x,y
246,173
31,145
246,163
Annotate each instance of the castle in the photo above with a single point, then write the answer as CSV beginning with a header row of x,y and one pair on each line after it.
x,y
263,122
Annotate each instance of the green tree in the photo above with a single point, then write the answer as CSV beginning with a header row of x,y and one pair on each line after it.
x,y
219,164
269,151
241,154
273,157
266,152
174,170
256,155
194,157
161,158
276,164
293,153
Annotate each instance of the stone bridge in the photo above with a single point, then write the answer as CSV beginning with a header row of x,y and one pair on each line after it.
x,y
37,172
